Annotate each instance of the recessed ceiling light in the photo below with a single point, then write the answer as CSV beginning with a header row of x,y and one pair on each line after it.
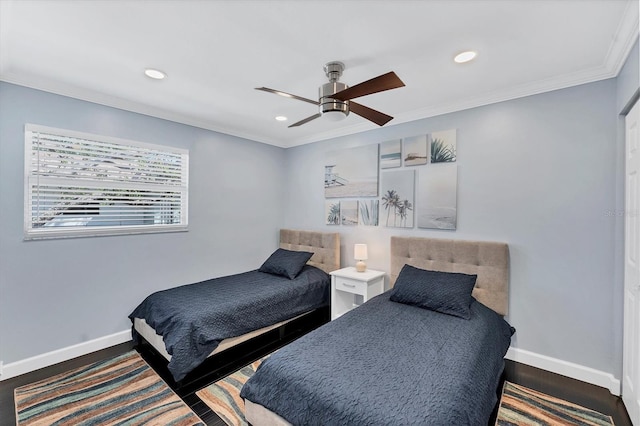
x,y
463,57
155,74
281,118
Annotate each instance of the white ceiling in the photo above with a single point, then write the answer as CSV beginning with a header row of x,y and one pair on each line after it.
x,y
216,52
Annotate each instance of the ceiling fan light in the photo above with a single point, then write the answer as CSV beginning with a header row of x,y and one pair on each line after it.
x,y
334,115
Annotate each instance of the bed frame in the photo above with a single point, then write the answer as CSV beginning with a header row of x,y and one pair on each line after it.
x,y
246,349
488,260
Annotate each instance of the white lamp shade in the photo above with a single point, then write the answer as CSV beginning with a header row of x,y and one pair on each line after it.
x,y
360,252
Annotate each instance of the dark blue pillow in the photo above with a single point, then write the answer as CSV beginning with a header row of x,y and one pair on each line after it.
x,y
286,263
445,292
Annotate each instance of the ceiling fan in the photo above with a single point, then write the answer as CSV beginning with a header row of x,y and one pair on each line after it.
x,y
336,98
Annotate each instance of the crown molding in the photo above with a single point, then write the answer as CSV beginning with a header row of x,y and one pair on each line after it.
x,y
99,98
620,48
624,39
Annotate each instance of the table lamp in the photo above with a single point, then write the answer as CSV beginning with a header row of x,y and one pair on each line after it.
x,y
360,254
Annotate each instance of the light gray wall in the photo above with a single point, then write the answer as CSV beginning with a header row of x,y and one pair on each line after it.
x,y
57,293
538,173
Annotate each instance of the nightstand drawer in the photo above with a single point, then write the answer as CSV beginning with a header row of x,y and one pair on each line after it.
x,y
351,286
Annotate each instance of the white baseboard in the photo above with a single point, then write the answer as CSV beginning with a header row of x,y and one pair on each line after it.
x,y
564,368
575,371
18,368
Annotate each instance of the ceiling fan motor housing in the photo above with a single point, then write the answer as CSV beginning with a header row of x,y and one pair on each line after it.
x,y
333,70
328,104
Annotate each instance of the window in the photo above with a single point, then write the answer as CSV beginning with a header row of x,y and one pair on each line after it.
x,y
80,185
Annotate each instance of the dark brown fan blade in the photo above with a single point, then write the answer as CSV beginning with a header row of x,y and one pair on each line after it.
x,y
370,114
287,95
306,120
378,84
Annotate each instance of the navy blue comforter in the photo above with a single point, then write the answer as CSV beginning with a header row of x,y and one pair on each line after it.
x,y
387,363
193,319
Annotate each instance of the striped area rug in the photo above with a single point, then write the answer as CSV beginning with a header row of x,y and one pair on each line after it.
x,y
520,406
119,391
223,397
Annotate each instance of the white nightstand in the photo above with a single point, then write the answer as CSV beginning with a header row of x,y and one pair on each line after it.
x,y
350,288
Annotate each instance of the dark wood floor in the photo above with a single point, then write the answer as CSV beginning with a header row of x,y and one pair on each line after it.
x,y
581,393
7,406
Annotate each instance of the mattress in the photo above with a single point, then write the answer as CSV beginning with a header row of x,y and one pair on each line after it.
x,y
261,415
155,340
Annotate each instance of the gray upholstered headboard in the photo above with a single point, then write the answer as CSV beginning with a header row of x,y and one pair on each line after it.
x,y
488,260
324,245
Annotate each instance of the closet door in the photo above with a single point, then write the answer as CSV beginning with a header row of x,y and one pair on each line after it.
x,y
631,337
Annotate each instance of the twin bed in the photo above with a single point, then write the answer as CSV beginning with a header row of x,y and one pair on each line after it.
x,y
191,324
395,359
424,352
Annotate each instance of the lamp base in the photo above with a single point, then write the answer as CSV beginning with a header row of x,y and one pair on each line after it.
x,y
361,266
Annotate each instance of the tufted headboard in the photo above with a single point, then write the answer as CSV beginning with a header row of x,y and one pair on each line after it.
x,y
324,245
488,260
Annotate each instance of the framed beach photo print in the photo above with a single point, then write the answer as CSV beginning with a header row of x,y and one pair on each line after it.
x,y
351,173
437,197
415,150
349,213
391,154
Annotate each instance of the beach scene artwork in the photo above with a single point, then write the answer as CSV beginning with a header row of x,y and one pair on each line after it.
x,y
391,154
332,212
369,212
415,150
437,197
352,172
349,213
443,146
398,188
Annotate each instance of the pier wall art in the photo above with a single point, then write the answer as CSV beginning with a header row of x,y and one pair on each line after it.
x,y
398,183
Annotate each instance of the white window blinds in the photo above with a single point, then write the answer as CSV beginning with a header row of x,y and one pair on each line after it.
x,y
81,184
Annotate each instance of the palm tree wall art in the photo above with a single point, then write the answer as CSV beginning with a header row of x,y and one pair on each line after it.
x,y
398,189
332,212
390,202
